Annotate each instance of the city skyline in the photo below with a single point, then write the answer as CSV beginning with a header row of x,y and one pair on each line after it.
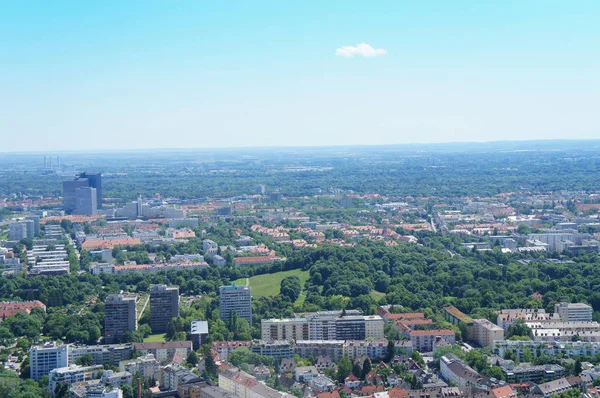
x,y
83,76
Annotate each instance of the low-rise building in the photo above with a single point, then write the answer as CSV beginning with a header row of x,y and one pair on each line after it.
x,y
199,332
223,348
334,349
424,340
147,365
71,374
304,374
525,372
164,352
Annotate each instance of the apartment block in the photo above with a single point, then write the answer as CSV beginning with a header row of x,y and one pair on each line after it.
x,y
120,316
164,306
424,340
333,349
42,359
486,332
72,374
236,299
284,329
164,352
277,349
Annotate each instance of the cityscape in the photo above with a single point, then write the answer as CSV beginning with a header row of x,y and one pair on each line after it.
x,y
278,289
300,199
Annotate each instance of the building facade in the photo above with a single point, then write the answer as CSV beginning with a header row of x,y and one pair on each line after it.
x,y
486,332
284,329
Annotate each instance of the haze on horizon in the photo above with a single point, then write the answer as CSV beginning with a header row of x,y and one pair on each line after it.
x,y
155,74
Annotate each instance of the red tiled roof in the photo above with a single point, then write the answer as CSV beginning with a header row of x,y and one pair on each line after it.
x,y
436,332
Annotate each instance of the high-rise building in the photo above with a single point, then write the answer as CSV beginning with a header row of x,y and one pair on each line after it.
x,y
164,306
95,181
119,317
84,180
36,224
42,359
486,332
236,299
85,201
70,193
19,230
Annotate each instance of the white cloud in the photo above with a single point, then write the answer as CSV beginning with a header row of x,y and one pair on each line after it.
x,y
360,50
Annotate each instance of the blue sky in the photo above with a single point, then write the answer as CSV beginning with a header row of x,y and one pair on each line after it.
x,y
79,75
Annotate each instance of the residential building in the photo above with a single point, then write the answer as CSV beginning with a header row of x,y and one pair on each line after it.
x,y
236,299
215,392
456,317
21,230
42,359
36,225
107,354
175,375
361,348
164,352
574,312
322,383
199,332
120,316
524,373
333,325
223,348
147,365
164,306
455,371
276,349
424,340
508,316
555,387
71,374
11,308
284,329
333,349
243,385
305,374
486,332
568,349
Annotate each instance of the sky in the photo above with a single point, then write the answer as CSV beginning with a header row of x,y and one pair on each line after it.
x,y
96,75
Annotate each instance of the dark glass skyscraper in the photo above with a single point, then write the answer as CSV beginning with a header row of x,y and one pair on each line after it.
x,y
94,181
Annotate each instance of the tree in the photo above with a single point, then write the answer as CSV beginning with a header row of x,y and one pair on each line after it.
x,y
577,369
391,351
85,360
366,367
192,358
357,370
61,390
344,368
127,391
519,328
290,288
527,355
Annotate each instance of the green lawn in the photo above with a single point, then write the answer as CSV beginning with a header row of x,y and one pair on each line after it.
x,y
155,338
268,284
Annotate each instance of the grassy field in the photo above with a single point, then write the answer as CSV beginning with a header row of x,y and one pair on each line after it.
x,y
268,285
155,338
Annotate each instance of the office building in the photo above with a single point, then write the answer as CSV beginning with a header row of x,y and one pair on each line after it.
x,y
94,181
70,193
486,332
199,332
574,312
284,329
42,359
164,306
236,299
85,201
119,317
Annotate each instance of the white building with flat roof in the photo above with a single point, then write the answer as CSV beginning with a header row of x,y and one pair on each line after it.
x,y
574,312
